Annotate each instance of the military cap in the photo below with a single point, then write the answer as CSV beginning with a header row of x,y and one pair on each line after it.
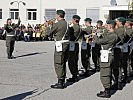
x,y
99,21
121,19
88,20
60,12
111,22
129,20
76,17
8,19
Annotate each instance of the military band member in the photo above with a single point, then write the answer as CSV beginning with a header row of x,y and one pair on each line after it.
x,y
129,33
74,49
120,31
107,42
96,48
10,36
86,47
60,57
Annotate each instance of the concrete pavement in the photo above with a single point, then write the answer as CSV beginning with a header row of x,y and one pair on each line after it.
x,y
30,75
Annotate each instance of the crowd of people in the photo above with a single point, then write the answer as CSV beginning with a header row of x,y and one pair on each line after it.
x,y
27,33
111,46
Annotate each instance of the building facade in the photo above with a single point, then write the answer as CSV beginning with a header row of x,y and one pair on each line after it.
x,y
37,11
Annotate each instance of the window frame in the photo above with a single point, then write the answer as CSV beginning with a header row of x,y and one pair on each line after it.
x,y
1,14
48,16
69,19
93,18
32,17
14,11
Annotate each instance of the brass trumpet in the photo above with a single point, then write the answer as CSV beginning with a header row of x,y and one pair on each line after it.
x,y
43,27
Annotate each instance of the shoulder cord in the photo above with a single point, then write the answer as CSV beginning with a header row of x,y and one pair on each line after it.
x,y
79,34
65,33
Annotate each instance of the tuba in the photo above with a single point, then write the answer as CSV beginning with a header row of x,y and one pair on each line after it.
x,y
43,27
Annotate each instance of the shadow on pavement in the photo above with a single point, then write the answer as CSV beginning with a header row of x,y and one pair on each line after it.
x,y
92,72
114,91
30,54
123,85
20,96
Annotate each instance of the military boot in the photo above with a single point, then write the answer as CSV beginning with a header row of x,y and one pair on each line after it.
x,y
116,86
86,74
73,79
104,94
128,80
59,85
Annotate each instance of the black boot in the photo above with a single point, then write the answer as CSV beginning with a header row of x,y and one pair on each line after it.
x,y
59,85
97,69
13,57
104,94
73,79
116,86
9,57
86,74
128,80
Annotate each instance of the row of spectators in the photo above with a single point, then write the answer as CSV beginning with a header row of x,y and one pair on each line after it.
x,y
27,34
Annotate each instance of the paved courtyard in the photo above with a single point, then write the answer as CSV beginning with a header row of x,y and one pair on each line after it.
x,y
30,75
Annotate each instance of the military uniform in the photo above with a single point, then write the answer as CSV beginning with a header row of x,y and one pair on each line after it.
x,y
129,34
118,55
96,51
73,55
10,38
60,57
107,42
85,53
86,48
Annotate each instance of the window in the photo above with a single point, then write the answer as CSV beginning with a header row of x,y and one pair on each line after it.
x,y
14,13
32,14
93,14
0,13
50,13
70,13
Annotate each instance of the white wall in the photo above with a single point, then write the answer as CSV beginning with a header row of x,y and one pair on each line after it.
x,y
41,5
122,2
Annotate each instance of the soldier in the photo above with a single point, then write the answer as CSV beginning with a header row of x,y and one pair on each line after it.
x,y
59,30
10,36
129,33
120,31
85,47
96,48
107,42
74,49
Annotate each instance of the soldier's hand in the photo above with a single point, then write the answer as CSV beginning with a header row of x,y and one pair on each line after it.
x,y
46,24
18,18
93,34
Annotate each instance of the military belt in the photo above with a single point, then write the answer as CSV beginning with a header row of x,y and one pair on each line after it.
x,y
10,35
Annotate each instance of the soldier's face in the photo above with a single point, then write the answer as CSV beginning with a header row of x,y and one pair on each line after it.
x,y
57,16
108,26
127,24
118,23
87,24
98,25
73,21
9,22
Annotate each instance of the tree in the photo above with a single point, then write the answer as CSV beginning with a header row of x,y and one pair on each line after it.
x,y
131,9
